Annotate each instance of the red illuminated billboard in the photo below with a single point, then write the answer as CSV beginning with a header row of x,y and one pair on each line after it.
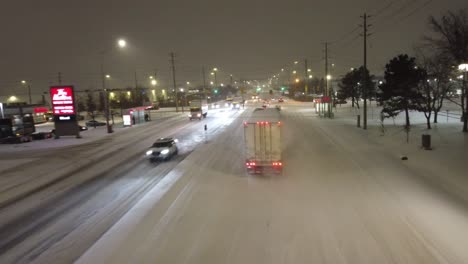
x,y
62,99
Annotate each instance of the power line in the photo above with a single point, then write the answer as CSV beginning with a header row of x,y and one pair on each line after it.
x,y
393,17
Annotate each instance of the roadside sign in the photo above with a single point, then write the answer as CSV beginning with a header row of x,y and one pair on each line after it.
x,y
62,100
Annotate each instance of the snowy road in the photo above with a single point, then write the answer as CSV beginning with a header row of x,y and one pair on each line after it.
x,y
341,199
57,221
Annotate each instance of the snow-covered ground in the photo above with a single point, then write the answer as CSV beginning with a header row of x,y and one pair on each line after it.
x,y
60,201
345,196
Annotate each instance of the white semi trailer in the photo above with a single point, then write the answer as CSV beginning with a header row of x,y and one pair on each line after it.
x,y
262,139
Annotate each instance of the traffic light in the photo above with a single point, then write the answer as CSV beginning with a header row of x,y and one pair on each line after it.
x,y
283,88
216,91
259,89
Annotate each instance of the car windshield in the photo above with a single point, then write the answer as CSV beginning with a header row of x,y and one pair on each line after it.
x,y
162,144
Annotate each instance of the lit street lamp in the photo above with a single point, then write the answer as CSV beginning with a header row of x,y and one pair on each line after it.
x,y
121,43
29,89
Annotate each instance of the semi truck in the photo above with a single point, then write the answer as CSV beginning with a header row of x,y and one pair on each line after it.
x,y
198,109
262,139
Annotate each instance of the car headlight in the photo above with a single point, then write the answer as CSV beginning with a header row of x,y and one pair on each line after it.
x,y
165,151
226,104
189,115
198,115
149,152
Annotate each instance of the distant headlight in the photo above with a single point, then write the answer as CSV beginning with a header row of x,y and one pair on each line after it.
x,y
165,151
149,152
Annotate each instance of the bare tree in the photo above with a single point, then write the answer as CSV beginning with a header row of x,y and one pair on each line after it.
x,y
437,83
450,36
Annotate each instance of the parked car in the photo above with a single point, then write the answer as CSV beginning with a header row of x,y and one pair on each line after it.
x,y
94,123
280,100
162,149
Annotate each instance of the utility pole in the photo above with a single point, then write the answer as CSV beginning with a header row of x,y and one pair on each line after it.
x,y
174,81
204,82
59,77
328,110
136,80
326,67
156,80
135,97
106,99
365,35
306,89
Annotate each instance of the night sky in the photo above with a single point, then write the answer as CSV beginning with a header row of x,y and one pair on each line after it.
x,y
249,39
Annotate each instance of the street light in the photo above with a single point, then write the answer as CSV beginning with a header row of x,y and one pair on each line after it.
x,y
121,43
214,73
29,90
463,67
154,82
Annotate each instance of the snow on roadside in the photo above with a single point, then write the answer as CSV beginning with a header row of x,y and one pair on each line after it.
x,y
90,135
445,165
